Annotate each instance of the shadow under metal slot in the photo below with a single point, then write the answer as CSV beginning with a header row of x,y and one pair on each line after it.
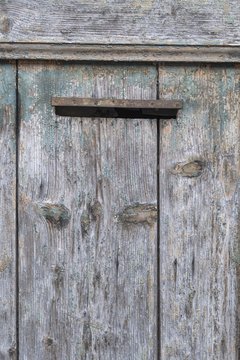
x,y
114,108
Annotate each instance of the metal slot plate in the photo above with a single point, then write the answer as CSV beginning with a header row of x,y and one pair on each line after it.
x,y
114,108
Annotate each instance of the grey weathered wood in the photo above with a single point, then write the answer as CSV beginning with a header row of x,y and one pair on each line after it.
x,y
116,53
178,22
116,108
199,214
87,218
121,103
7,211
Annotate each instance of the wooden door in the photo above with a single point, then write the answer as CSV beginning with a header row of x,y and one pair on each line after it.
x,y
123,240
87,217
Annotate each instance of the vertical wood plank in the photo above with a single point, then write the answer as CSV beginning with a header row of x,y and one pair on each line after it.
x,y
199,213
7,210
87,217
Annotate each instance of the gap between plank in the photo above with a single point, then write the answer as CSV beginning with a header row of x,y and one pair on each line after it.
x,y
17,127
158,229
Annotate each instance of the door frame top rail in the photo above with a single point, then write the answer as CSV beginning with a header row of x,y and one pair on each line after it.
x,y
121,52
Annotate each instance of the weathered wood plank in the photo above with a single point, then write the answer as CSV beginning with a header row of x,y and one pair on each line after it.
x,y
199,213
176,22
7,211
87,218
116,53
119,103
116,108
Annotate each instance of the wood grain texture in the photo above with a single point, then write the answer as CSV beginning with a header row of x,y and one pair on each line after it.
x,y
117,53
115,108
199,214
179,22
7,210
121,103
87,217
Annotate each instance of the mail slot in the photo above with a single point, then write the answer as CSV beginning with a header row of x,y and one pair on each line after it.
x,y
111,108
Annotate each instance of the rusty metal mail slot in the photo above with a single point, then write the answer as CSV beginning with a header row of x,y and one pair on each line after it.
x,y
112,108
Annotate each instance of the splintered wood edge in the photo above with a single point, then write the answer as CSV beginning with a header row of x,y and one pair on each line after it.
x,y
117,53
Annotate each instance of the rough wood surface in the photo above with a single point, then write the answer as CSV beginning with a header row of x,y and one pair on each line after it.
x,y
179,22
87,218
116,53
115,108
199,214
7,211
90,102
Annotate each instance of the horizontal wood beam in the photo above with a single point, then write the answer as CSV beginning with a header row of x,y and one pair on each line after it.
x,y
116,53
116,108
120,103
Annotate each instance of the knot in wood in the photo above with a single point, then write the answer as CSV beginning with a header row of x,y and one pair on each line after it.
x,y
189,169
139,214
56,214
